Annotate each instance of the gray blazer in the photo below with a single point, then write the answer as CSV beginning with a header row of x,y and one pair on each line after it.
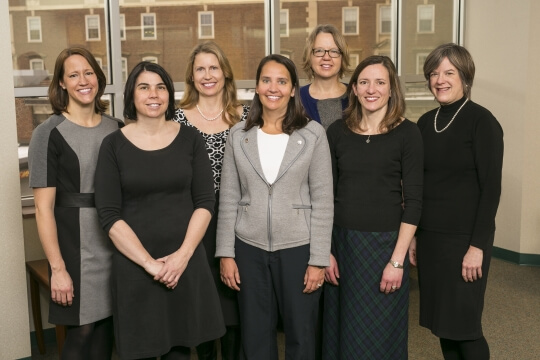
x,y
297,209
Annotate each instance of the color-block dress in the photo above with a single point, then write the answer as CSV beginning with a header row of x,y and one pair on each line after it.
x,y
63,155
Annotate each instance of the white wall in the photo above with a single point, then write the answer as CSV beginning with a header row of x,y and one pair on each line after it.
x,y
14,329
503,38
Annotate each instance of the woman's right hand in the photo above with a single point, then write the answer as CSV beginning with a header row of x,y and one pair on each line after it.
x,y
412,251
153,267
332,272
62,291
229,273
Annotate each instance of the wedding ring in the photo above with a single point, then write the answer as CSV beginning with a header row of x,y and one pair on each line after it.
x,y
319,285
394,287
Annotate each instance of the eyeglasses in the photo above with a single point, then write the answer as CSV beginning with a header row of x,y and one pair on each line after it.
x,y
334,53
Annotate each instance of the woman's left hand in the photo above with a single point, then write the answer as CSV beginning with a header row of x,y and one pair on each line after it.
x,y
314,279
174,266
471,268
391,279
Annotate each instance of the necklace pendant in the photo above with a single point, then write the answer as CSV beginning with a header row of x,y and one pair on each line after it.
x,y
367,140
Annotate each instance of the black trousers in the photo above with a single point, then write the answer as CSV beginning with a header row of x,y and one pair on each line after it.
x,y
272,285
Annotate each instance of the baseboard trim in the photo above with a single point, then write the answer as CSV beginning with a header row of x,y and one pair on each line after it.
x,y
515,257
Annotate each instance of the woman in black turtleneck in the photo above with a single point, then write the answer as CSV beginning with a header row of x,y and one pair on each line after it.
x,y
463,147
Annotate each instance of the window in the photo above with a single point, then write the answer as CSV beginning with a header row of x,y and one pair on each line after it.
x,y
33,24
122,27
152,59
284,23
206,24
354,60
148,26
350,20
37,64
420,60
124,70
426,19
385,20
92,28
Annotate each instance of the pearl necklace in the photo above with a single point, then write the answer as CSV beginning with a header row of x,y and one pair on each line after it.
x,y
208,119
453,117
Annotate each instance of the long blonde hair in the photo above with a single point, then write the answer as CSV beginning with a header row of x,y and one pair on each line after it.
x,y
191,95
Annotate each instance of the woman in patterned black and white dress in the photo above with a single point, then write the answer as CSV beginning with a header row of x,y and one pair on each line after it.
x,y
211,105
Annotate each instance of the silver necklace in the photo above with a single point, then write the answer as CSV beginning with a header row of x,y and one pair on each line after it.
x,y
368,141
453,117
208,119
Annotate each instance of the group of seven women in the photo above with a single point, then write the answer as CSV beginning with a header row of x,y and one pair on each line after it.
x,y
225,221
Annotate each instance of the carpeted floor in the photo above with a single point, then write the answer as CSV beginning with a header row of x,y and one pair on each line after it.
x,y
511,317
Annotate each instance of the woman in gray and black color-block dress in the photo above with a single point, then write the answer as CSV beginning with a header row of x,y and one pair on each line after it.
x,y
62,158
210,105
377,162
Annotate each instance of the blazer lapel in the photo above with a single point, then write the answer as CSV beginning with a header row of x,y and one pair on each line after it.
x,y
295,146
251,150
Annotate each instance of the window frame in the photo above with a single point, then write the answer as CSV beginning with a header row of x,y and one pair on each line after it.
x,y
381,20
29,29
150,58
122,25
284,13
36,61
418,20
87,28
344,11
144,26
200,14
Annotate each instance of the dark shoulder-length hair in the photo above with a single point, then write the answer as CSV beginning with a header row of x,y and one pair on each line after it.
x,y
58,97
295,117
191,95
396,102
130,112
339,39
459,57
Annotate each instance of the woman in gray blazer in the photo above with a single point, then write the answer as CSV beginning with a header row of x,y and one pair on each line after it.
x,y
275,216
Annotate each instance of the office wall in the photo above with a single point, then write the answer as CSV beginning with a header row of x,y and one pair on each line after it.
x,y
14,339
503,39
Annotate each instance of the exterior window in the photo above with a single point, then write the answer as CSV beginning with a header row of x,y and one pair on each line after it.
x,y
92,28
148,26
152,59
426,19
122,27
124,70
284,23
420,60
206,24
385,19
354,60
350,20
33,24
37,64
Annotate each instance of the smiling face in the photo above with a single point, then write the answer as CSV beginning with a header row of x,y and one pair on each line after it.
x,y
208,76
325,67
151,96
445,83
372,89
274,87
80,81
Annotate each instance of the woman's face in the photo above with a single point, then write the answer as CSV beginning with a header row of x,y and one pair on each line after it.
x,y
151,96
372,88
445,83
208,77
325,67
274,87
80,81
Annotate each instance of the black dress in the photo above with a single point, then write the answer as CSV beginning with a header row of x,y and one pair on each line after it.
x,y
156,192
215,146
462,186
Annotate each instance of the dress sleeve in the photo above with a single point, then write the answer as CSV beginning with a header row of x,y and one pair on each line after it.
x,y
202,183
229,198
322,202
488,150
412,175
43,158
107,184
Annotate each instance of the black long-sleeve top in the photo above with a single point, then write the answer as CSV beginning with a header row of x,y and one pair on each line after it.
x,y
377,184
462,172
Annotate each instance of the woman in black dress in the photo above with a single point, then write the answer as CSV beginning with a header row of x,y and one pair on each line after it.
x,y
210,105
463,145
62,158
155,197
377,166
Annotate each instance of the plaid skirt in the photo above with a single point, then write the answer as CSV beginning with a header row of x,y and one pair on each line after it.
x,y
359,321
